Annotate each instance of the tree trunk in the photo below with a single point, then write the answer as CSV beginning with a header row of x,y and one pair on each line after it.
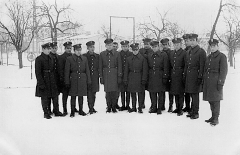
x,y
231,57
20,59
214,25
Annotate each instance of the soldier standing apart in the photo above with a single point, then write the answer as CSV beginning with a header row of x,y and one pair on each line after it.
x,y
135,77
125,95
158,65
187,95
93,64
77,78
110,69
195,61
54,57
115,47
177,63
215,73
46,87
167,50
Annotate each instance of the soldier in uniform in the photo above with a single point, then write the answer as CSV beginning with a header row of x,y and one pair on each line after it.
x,y
187,95
62,61
177,64
93,64
145,51
135,77
125,95
215,73
110,69
77,78
195,61
167,50
115,47
46,87
158,65
54,57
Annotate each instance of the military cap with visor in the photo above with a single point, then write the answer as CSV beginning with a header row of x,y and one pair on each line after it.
x,y
134,46
124,42
46,45
176,40
154,43
164,41
68,43
193,36
90,43
108,41
213,42
77,46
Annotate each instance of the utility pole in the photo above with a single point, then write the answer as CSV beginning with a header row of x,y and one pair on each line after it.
x,y
34,24
126,18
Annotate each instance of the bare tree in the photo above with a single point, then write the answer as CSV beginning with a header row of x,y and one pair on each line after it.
x,y
18,28
174,30
151,28
58,21
105,32
231,38
220,9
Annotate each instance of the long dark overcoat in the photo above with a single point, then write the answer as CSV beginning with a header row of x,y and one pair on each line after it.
x,y
124,55
158,65
168,51
177,64
77,75
61,62
56,69
195,61
46,83
215,73
110,69
93,64
136,71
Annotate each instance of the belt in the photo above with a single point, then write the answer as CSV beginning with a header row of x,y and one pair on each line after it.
x,y
47,71
78,72
110,67
174,68
213,70
193,67
136,71
156,69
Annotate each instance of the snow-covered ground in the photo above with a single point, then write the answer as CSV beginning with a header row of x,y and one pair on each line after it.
x,y
23,130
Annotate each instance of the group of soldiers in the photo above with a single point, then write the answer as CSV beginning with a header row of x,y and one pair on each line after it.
x,y
128,73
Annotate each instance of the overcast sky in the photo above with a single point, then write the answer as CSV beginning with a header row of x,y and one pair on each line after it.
x,y
192,15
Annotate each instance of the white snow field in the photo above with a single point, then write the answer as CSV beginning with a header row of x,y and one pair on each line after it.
x,y
24,131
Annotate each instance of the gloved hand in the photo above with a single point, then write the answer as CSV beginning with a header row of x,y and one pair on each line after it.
x,y
219,87
42,87
199,81
143,82
119,80
165,81
101,81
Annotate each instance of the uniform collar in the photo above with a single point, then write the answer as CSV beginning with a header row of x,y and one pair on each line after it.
x,y
45,56
111,52
89,54
75,57
158,53
195,49
178,51
215,54
138,56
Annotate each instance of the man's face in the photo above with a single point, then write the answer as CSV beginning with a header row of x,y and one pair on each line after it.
x,y
135,51
165,46
177,46
155,48
187,42
54,49
109,46
46,50
91,48
147,45
214,48
78,51
115,46
193,42
68,49
125,47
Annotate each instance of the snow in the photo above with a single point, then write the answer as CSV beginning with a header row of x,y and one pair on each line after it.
x,y
23,130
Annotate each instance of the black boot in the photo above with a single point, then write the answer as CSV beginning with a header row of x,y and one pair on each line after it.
x,y
47,116
180,113
72,114
209,120
159,111
58,113
153,110
170,109
175,111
